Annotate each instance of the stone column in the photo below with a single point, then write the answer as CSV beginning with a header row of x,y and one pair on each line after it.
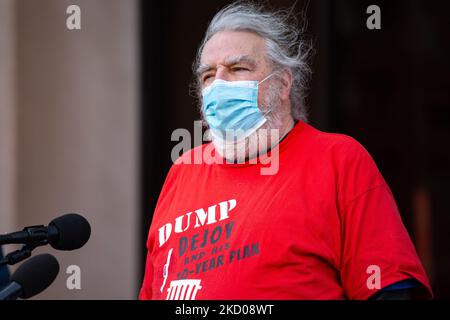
x,y
77,136
7,115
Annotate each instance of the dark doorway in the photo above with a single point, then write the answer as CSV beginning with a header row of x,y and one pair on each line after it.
x,y
387,88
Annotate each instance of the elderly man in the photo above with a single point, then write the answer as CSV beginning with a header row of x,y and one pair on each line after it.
x,y
324,225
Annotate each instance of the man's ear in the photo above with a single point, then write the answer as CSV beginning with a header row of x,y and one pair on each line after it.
x,y
286,84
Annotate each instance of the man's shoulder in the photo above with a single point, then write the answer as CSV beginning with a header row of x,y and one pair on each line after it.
x,y
337,143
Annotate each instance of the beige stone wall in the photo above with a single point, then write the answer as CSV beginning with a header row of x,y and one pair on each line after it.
x,y
76,136
7,115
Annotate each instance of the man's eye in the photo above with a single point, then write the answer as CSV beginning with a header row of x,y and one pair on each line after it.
x,y
206,78
237,69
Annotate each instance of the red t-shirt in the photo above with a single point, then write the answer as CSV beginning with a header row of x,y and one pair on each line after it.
x,y
326,226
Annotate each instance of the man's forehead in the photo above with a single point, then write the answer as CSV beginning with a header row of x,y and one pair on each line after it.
x,y
232,59
227,46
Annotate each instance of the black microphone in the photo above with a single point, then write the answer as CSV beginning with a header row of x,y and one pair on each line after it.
x,y
68,232
31,277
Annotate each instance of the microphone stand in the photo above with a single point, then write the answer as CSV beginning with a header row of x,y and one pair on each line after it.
x,y
39,236
18,255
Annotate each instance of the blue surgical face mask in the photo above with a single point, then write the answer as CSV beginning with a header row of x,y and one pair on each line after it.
x,y
231,109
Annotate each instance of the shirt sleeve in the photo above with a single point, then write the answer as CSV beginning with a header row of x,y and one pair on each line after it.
x,y
146,289
376,248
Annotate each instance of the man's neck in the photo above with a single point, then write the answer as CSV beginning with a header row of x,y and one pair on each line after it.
x,y
289,125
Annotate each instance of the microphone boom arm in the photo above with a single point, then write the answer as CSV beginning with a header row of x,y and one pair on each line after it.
x,y
18,255
36,235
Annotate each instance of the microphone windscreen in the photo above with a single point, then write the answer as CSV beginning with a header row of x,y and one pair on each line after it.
x,y
74,231
36,274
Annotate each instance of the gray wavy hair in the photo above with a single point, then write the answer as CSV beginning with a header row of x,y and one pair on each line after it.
x,y
286,47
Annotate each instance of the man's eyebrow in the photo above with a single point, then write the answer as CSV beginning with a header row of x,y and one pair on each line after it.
x,y
202,69
240,59
228,62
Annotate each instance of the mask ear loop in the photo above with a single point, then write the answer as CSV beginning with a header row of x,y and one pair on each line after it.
x,y
268,77
266,112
